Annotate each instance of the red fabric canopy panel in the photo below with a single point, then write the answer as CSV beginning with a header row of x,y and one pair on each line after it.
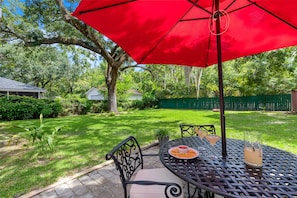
x,y
181,31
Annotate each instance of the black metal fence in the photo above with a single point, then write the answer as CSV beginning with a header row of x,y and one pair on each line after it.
x,y
244,103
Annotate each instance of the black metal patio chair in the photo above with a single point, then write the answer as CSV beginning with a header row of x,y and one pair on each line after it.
x,y
143,183
191,129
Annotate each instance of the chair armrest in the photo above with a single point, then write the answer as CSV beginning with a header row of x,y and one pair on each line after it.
x,y
150,154
174,189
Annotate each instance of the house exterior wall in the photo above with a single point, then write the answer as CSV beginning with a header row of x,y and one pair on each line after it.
x,y
94,94
135,97
31,94
12,87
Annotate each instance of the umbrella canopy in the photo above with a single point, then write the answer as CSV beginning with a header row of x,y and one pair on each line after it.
x,y
193,32
181,31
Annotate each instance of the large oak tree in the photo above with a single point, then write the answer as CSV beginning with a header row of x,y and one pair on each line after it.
x,y
48,22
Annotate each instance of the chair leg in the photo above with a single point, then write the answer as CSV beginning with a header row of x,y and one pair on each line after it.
x,y
208,194
198,190
200,193
189,194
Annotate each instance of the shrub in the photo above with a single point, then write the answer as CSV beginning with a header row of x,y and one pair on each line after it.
x,y
56,108
98,106
147,102
23,107
161,132
75,106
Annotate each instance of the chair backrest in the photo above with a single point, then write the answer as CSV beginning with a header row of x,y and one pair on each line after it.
x,y
127,157
190,129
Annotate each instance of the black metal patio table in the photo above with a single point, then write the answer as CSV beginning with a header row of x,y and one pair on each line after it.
x,y
230,177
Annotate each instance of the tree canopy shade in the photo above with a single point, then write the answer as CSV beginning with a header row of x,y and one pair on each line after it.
x,y
55,68
47,22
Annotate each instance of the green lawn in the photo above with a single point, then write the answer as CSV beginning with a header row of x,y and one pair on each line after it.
x,y
84,140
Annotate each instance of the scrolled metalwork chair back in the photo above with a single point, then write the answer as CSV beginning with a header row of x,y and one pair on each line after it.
x,y
127,157
190,129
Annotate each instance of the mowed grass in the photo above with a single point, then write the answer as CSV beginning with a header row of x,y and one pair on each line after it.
x,y
84,140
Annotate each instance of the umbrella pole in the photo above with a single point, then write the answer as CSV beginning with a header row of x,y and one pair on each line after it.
x,y
220,77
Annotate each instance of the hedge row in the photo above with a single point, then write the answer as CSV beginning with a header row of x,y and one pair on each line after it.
x,y
21,107
81,106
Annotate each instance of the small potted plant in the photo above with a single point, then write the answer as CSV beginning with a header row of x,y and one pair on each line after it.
x,y
162,135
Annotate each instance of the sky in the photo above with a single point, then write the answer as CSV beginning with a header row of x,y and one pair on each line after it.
x,y
68,3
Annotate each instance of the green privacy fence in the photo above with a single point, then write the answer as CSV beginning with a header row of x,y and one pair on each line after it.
x,y
244,103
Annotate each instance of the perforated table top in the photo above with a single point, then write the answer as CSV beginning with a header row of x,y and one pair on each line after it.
x,y
230,177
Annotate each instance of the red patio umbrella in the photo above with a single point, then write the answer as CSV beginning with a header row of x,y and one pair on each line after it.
x,y
193,32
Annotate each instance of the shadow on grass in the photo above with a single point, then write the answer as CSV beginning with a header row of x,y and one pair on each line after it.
x,y
84,140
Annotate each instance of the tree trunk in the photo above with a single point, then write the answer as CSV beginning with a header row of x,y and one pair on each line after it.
x,y
111,82
187,72
198,82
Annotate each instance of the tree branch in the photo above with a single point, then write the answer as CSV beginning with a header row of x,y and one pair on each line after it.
x,y
9,31
86,30
114,50
65,41
137,66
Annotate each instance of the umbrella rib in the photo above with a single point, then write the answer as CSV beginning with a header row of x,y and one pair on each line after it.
x,y
154,47
206,18
202,8
251,3
271,13
109,6
194,19
230,5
